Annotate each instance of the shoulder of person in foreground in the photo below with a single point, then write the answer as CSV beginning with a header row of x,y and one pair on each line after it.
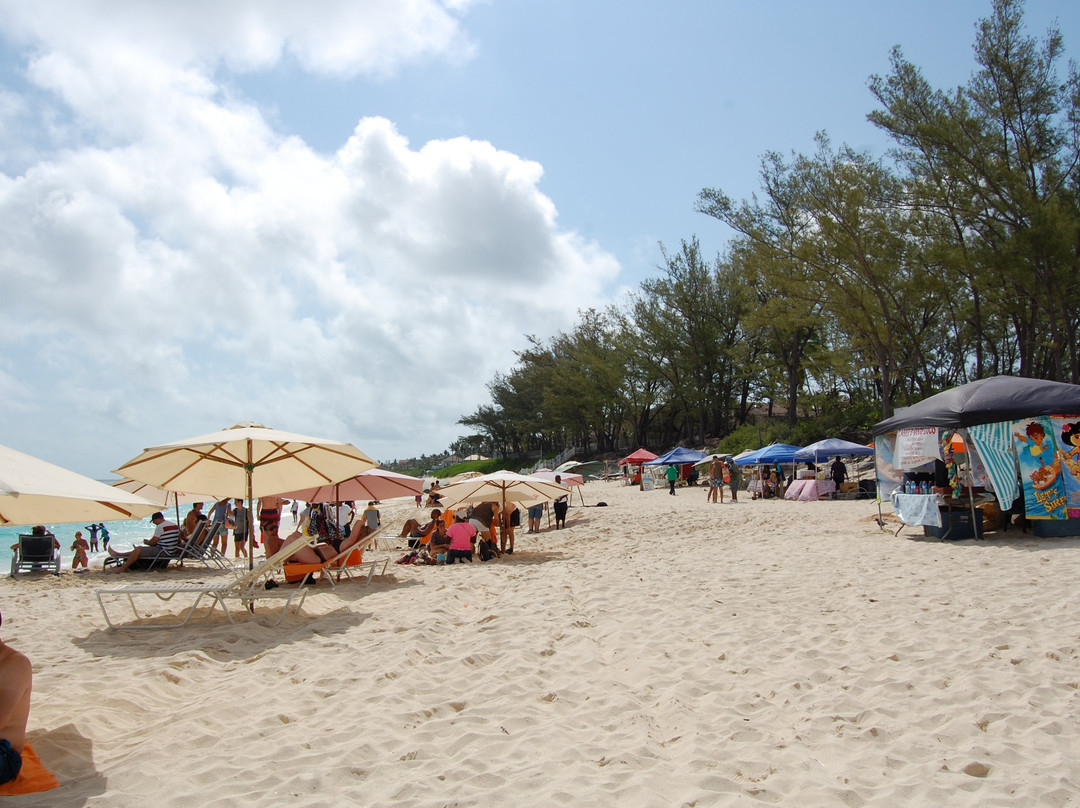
x,y
16,677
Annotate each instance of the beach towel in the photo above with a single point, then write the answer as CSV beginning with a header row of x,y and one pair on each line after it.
x,y
993,442
33,777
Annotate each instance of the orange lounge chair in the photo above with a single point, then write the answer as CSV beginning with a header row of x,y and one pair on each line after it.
x,y
351,558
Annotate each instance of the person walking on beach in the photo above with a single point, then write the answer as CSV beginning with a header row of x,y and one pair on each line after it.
x,y
672,474
16,679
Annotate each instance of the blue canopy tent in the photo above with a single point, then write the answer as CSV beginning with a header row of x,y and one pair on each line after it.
x,y
684,459
832,447
773,453
677,457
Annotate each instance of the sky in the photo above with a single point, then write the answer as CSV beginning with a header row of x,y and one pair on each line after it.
x,y
342,217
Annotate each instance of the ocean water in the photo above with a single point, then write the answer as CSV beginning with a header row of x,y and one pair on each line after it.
x,y
122,535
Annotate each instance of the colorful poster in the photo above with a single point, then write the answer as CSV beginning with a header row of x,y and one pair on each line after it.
x,y
916,447
1066,430
1040,468
889,478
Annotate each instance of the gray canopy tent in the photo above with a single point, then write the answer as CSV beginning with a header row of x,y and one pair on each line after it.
x,y
985,401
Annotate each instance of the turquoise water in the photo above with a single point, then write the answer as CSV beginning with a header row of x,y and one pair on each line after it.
x,y
122,535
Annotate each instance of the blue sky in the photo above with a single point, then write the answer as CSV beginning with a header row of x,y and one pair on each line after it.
x,y
341,218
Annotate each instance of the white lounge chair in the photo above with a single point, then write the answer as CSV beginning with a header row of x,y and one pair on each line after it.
x,y
248,587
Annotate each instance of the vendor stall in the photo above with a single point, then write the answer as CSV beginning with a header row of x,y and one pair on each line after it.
x,y
1020,439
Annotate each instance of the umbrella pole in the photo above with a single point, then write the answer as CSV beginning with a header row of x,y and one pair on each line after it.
x,y
251,518
971,481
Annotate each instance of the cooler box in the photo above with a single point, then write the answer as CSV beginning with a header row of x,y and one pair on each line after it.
x,y
1053,528
956,525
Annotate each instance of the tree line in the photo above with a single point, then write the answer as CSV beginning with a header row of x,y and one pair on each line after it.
x,y
852,285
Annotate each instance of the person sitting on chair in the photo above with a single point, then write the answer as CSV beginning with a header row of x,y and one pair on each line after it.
x,y
415,531
164,542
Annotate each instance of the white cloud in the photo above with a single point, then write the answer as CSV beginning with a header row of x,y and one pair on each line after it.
x,y
182,266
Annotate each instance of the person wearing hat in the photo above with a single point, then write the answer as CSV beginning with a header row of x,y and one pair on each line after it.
x,y
164,542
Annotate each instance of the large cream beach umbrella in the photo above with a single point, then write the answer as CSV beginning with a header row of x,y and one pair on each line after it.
x,y
33,492
247,461
503,487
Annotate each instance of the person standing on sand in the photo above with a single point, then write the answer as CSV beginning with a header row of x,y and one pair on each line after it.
x,y
560,505
838,470
672,474
269,522
735,477
716,480
220,511
16,678
93,537
239,521
79,547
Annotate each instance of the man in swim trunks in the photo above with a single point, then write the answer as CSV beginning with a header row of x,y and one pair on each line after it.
x,y
15,681
269,521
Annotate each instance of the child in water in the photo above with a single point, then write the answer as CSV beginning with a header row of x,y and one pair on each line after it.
x,y
79,547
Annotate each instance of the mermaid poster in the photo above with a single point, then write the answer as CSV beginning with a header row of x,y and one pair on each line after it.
x,y
1066,429
1040,468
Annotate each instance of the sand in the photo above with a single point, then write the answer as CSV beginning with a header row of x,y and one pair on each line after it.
x,y
661,651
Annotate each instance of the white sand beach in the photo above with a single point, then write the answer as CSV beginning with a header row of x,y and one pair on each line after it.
x,y
660,651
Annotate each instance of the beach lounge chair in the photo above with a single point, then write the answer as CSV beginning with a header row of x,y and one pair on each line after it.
x,y
349,562
36,553
247,586
200,547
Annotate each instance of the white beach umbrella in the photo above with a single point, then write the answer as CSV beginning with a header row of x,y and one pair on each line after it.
x,y
34,492
247,461
503,487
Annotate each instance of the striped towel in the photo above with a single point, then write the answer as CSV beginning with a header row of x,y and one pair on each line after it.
x,y
994,445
